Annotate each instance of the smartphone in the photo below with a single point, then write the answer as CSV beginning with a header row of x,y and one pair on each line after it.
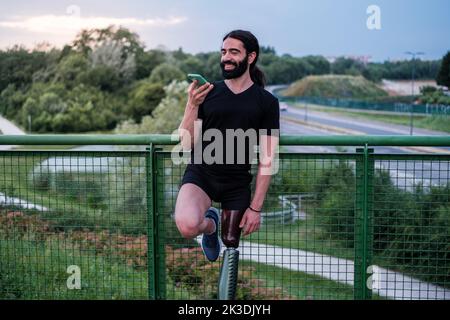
x,y
199,78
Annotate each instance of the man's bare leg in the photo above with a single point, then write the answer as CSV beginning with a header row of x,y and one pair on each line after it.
x,y
192,203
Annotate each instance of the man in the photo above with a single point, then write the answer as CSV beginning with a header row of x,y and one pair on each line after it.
x,y
240,104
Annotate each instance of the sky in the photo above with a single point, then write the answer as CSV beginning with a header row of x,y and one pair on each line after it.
x,y
297,27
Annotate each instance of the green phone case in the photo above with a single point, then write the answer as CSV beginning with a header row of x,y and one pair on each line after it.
x,y
199,78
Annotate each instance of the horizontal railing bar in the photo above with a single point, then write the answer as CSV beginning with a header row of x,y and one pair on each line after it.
x,y
100,153
166,139
361,140
79,139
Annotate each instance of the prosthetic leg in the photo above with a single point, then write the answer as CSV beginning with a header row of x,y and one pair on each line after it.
x,y
231,234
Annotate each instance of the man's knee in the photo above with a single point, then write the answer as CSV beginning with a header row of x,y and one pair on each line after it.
x,y
189,228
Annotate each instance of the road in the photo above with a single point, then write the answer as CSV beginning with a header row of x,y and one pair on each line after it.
x,y
7,127
405,173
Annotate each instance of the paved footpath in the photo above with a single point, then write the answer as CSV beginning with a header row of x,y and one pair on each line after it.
x,y
7,127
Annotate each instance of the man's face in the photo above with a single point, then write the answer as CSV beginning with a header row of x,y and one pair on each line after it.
x,y
234,61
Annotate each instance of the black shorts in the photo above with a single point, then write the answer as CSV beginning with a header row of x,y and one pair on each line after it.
x,y
233,192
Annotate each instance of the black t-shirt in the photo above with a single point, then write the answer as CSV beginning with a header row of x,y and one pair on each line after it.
x,y
251,110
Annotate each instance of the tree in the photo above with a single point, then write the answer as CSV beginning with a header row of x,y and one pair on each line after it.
x,y
103,77
113,54
144,99
192,65
11,101
86,41
319,64
165,73
70,69
267,50
167,115
146,61
347,66
443,77
17,66
55,108
373,72
213,71
115,47
287,69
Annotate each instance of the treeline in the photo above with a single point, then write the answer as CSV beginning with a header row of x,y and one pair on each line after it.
x,y
102,78
106,76
398,70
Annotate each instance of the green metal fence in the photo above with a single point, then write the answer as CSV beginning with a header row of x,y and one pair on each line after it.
x,y
80,224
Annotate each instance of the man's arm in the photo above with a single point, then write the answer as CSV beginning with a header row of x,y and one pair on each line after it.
x,y
268,148
267,164
196,96
186,130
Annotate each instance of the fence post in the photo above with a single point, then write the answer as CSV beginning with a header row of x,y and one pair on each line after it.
x,y
363,233
155,241
159,223
151,241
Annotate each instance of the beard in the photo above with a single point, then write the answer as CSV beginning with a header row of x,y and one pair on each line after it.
x,y
239,68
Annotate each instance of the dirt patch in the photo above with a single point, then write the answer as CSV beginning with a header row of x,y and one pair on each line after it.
x,y
17,225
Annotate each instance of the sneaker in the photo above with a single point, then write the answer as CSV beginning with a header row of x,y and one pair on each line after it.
x,y
211,242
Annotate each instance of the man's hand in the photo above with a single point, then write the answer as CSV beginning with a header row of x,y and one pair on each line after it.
x,y
196,95
251,221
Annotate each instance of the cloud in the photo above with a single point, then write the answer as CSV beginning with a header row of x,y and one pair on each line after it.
x,y
74,22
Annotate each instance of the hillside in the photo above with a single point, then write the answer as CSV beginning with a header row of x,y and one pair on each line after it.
x,y
334,86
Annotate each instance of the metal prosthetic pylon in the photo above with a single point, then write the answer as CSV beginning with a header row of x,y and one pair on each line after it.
x,y
229,274
230,263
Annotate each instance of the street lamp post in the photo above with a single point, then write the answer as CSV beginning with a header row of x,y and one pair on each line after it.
x,y
413,58
306,112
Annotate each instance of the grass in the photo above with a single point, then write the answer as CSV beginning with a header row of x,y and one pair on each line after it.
x,y
33,270
34,259
38,270
438,123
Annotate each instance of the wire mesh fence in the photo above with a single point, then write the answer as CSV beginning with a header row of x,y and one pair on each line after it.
x,y
73,225
411,226
290,257
100,225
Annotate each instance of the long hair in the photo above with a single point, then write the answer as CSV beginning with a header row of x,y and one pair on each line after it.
x,y
250,44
